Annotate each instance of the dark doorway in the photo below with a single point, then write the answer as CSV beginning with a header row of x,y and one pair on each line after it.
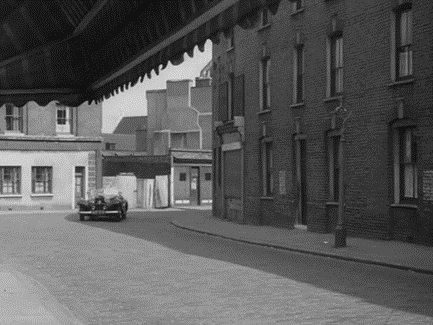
x,y
79,184
303,185
300,164
195,186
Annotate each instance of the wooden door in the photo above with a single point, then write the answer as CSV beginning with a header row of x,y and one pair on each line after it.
x,y
195,186
79,184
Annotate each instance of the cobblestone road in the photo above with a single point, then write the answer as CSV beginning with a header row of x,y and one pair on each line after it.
x,y
145,271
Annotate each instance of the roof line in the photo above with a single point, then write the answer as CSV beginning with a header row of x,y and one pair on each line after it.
x,y
78,30
214,11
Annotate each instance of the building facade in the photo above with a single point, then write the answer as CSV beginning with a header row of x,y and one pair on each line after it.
x,y
282,87
50,156
180,125
129,136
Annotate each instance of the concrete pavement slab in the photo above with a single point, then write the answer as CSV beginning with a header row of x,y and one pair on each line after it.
x,y
394,254
23,302
19,306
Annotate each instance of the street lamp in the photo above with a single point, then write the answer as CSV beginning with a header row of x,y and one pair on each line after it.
x,y
340,230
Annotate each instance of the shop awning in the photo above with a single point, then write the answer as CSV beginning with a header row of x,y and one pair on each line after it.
x,y
73,51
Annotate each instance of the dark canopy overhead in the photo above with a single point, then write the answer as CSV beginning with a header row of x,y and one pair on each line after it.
x,y
84,50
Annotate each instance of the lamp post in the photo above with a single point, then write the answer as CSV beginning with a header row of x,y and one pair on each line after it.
x,y
340,230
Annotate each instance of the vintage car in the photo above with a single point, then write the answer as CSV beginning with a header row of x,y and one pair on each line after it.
x,y
105,204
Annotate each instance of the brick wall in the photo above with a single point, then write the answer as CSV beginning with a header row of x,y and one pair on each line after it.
x,y
368,95
92,185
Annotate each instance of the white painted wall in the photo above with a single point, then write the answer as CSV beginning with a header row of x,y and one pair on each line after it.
x,y
125,184
63,164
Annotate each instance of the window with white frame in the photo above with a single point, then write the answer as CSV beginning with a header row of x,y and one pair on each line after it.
x,y
405,164
298,74
230,97
110,146
297,5
334,167
264,17
14,118
336,65
231,39
64,120
264,83
267,165
404,43
10,180
42,180
179,140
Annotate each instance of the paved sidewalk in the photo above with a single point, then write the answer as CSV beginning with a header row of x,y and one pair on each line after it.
x,y
394,254
71,211
23,303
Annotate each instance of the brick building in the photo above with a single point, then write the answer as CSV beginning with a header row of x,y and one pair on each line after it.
x,y
179,124
50,156
129,136
277,84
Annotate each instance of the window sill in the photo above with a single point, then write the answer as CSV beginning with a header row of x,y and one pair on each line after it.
x,y
295,13
404,206
332,99
267,198
230,49
14,133
332,203
266,111
297,105
5,196
268,25
301,227
61,134
42,195
402,82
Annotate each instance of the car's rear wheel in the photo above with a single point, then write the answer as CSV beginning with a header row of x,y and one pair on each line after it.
x,y
81,217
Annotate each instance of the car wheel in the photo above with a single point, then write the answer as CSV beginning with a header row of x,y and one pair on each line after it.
x,y
81,217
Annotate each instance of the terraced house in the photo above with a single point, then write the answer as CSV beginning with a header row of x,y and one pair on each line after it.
x,y
284,82
50,156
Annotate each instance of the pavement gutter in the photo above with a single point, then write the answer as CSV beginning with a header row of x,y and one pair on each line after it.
x,y
306,251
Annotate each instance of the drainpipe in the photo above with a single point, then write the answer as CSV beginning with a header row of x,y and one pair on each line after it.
x,y
242,174
76,121
27,120
171,181
340,230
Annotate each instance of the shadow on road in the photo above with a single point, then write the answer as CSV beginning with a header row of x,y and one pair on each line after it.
x,y
399,290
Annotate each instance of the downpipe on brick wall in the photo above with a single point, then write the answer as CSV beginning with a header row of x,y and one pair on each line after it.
x,y
340,230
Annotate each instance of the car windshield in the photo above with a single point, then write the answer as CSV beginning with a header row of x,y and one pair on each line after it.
x,y
107,193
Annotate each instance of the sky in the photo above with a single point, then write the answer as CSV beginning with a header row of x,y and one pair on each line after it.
x,y
132,102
